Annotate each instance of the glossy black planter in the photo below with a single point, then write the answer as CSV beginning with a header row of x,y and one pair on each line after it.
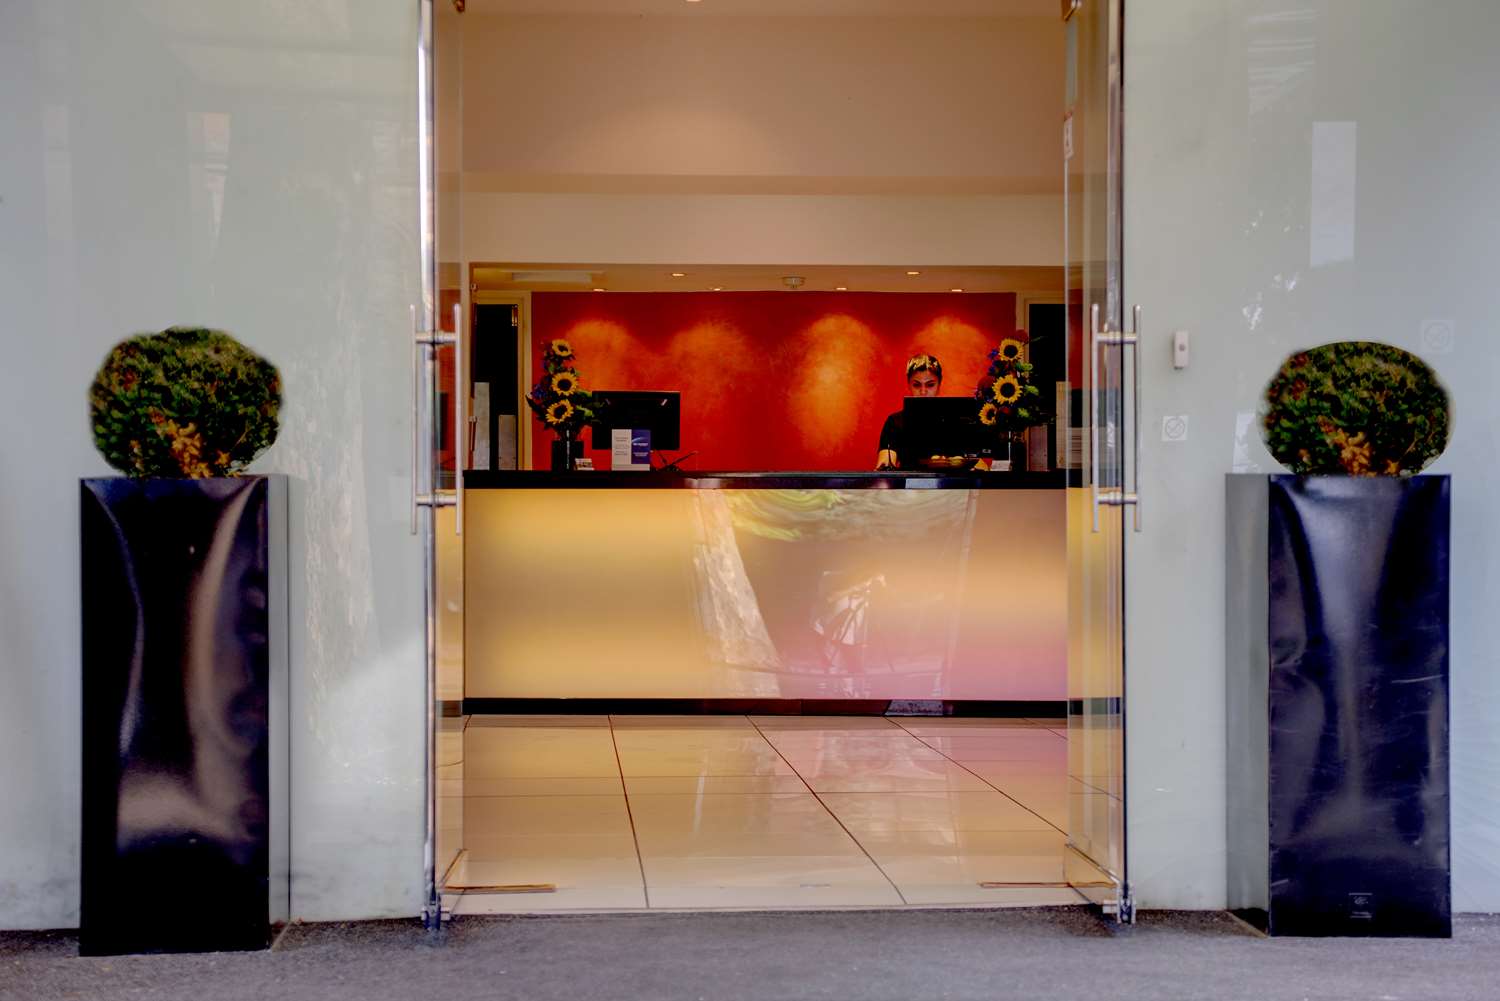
x,y
184,730
1337,626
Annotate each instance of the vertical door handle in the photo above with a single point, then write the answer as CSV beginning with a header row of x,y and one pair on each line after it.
x,y
1095,335
416,456
1116,496
460,417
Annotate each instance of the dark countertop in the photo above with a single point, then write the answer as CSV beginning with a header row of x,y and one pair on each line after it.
x,y
508,479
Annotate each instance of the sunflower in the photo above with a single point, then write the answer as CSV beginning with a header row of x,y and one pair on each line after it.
x,y
1011,350
565,383
988,413
562,349
1007,389
559,412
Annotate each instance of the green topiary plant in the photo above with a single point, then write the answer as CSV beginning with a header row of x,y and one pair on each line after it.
x,y
1357,408
185,402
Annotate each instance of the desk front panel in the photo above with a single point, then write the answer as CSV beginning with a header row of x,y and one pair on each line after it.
x,y
765,593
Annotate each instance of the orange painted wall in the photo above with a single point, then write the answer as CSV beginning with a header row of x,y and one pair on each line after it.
x,y
771,380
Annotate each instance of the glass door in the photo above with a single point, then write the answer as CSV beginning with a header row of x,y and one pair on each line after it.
x,y
1098,497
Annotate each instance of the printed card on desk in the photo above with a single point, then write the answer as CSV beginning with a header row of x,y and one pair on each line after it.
x,y
630,448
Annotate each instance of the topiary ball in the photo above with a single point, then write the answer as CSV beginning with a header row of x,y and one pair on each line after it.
x,y
1356,408
186,402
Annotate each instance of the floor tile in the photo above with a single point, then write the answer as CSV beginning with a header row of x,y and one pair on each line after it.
x,y
910,844
564,873
983,728
593,898
792,813
972,894
718,844
763,870
750,741
972,869
702,762
539,753
1046,747
643,785
480,845
895,777
521,815
562,785
681,722
561,722
931,811
768,723
775,897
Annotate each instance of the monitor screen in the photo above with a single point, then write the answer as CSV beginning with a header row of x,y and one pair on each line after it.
x,y
658,410
942,425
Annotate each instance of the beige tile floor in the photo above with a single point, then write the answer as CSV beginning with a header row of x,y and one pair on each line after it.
x,y
634,812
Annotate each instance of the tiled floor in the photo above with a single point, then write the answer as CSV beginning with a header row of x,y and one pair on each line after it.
x,y
629,812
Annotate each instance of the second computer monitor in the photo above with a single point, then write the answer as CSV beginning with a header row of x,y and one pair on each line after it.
x,y
657,410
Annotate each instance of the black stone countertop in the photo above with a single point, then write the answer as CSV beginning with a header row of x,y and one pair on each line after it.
x,y
507,479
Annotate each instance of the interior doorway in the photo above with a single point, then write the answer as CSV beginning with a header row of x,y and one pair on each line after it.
x,y
1020,808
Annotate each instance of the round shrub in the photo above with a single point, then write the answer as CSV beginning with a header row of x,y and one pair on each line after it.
x,y
1355,408
186,402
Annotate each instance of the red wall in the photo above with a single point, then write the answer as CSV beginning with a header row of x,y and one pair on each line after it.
x,y
771,380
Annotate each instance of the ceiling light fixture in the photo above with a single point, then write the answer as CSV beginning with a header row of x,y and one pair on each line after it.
x,y
679,274
598,290
955,290
842,288
914,273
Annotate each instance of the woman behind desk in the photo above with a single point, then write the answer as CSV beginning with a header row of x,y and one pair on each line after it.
x,y
924,377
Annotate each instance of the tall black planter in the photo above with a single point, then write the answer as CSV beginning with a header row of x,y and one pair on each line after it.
x,y
1337,625
184,730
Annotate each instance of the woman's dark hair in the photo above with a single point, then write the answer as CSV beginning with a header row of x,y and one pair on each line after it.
x,y
924,363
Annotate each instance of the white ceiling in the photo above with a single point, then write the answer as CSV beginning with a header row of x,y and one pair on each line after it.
x,y
772,8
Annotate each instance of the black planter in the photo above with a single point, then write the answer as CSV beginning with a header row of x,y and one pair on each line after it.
x,y
184,731
1337,627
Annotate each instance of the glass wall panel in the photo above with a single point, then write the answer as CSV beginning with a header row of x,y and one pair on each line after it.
x,y
250,167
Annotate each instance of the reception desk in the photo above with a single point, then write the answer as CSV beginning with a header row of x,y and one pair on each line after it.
x,y
740,586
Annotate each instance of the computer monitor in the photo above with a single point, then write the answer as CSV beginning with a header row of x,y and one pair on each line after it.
x,y
658,410
942,425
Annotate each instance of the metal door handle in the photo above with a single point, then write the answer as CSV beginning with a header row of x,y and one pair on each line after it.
x,y
424,345
416,456
1115,496
460,417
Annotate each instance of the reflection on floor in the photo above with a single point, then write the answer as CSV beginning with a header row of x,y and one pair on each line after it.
x,y
629,812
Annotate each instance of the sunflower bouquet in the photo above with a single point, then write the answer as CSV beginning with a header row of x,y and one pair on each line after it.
x,y
1008,402
558,397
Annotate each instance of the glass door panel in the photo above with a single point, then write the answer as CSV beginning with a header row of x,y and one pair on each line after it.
x,y
1096,495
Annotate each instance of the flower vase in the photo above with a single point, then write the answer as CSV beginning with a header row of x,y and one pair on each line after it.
x,y
566,450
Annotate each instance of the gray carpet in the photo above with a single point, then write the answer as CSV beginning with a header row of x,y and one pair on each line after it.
x,y
1052,954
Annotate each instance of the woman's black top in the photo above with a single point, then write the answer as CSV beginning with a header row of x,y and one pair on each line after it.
x,y
893,436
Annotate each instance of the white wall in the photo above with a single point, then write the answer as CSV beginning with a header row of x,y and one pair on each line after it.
x,y
930,230
1261,230
249,167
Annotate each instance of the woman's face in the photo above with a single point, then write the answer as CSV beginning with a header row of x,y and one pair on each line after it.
x,y
923,383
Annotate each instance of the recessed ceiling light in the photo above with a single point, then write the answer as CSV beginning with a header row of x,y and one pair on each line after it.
x,y
914,272
679,274
842,288
955,290
598,290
